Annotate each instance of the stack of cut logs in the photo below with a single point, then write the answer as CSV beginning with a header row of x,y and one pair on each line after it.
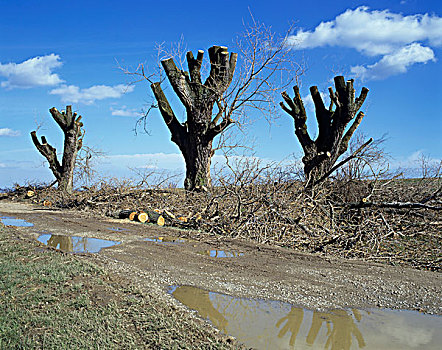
x,y
156,216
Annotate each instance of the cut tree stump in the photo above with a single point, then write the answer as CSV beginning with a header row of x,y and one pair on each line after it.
x,y
141,217
155,217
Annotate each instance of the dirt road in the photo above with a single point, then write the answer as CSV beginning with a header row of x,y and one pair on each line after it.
x,y
156,258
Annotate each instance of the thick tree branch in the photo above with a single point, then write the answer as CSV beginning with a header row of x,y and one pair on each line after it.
x,y
346,139
297,111
49,152
180,82
195,65
323,116
360,100
177,130
221,69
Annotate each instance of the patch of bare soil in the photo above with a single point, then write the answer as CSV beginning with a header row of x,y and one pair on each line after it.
x,y
155,258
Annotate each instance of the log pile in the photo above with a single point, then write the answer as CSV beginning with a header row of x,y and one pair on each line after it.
x,y
148,216
159,217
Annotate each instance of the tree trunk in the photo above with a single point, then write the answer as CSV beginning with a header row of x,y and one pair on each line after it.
x,y
198,159
194,137
73,141
321,154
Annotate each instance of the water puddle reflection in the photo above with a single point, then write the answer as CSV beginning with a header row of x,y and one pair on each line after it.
x,y
265,324
165,240
215,253
12,221
76,244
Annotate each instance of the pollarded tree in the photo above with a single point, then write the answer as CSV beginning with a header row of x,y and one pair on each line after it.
x,y
73,141
195,136
320,155
232,93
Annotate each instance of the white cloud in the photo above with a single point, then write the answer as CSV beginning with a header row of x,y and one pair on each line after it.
x,y
34,72
396,37
125,112
74,94
371,32
395,63
9,132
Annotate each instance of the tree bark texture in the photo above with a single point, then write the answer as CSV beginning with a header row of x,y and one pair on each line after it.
x,y
333,136
71,126
194,137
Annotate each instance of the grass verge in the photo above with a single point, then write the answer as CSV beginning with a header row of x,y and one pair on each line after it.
x,y
51,300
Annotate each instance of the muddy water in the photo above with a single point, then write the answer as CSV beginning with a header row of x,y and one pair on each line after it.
x,y
12,221
76,244
275,325
215,253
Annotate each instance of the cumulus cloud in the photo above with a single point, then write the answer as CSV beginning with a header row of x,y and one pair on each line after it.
x,y
395,63
396,37
9,132
74,94
371,32
125,112
34,72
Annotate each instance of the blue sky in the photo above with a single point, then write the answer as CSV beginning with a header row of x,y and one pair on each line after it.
x,y
54,53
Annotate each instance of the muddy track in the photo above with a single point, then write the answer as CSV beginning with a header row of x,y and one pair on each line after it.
x,y
252,270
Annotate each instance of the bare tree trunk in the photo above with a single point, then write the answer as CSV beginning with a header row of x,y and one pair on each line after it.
x,y
198,157
195,136
73,141
332,141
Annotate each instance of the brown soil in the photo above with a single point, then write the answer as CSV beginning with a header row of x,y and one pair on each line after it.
x,y
261,271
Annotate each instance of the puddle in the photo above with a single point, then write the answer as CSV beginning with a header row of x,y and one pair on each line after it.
x,y
215,253
76,244
263,324
165,240
117,229
12,221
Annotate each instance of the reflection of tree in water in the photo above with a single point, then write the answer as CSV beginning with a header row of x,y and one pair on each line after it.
x,y
340,328
199,300
81,244
65,242
222,254
294,320
344,328
219,308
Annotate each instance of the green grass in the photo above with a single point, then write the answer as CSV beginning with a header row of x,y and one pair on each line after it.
x,y
50,300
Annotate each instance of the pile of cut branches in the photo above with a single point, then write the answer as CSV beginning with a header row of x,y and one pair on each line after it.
x,y
397,221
